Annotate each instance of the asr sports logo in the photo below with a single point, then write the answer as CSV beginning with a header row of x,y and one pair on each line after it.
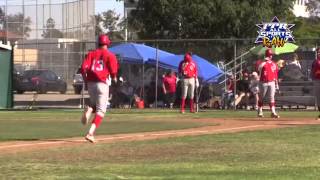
x,y
274,33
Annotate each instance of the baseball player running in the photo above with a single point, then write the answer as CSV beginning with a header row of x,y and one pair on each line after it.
x,y
188,71
95,69
315,72
268,71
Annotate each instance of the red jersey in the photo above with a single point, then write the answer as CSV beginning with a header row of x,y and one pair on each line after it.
x,y
188,69
170,83
268,71
98,65
315,71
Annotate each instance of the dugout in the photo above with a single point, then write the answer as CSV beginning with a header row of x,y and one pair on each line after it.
x,y
6,69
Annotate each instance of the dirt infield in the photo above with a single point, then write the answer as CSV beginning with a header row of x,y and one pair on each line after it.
x,y
228,125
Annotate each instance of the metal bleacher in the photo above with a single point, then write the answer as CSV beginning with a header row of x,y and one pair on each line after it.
x,y
296,94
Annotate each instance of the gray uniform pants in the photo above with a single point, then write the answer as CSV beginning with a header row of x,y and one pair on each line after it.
x,y
99,95
267,87
188,87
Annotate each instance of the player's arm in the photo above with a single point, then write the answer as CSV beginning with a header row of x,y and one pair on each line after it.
x,y
164,87
85,66
196,70
180,69
113,66
276,77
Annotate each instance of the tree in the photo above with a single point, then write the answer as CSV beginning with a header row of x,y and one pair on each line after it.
x,y
50,31
205,18
313,6
109,22
18,24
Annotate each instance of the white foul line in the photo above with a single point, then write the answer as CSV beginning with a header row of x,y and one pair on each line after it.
x,y
134,136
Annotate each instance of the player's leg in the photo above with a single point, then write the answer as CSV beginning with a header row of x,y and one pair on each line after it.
x,y
172,98
263,88
101,106
89,109
247,100
184,94
272,92
191,89
239,98
316,90
256,100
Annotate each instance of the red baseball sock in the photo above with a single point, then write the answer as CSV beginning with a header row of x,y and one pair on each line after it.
x,y
183,103
191,105
272,107
97,120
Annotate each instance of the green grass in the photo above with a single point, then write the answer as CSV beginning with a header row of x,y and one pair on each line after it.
x,y
35,125
289,153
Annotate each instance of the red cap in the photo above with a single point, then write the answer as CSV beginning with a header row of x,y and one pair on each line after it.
x,y
104,40
187,57
269,52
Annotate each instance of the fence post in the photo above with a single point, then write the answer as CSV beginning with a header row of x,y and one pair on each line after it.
x,y
235,76
157,73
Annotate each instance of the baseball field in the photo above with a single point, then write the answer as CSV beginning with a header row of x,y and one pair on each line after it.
x,y
160,144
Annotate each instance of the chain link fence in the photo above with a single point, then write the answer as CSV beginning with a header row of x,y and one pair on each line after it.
x,y
144,80
55,35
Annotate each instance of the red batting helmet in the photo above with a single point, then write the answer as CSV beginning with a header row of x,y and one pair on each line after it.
x,y
187,57
269,52
104,40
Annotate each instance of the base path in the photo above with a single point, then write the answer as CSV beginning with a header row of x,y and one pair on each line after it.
x,y
223,126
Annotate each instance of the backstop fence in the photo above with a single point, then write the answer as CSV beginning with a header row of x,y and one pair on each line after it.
x,y
144,80
56,34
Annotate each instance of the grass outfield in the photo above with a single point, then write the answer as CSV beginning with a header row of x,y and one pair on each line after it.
x,y
37,125
288,153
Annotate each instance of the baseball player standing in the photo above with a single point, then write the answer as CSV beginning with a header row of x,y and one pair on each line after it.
x,y
169,86
268,71
315,72
96,68
189,73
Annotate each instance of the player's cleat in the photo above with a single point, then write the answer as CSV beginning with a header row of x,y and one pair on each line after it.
x,y
90,138
182,111
86,115
274,115
318,118
260,113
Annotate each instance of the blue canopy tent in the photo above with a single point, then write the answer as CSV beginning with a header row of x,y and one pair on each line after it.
x,y
208,72
133,53
138,53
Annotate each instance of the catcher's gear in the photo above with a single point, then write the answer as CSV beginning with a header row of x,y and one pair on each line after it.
x,y
104,40
269,53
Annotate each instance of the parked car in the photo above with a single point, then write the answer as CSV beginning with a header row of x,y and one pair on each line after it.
x,y
77,82
16,79
41,81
